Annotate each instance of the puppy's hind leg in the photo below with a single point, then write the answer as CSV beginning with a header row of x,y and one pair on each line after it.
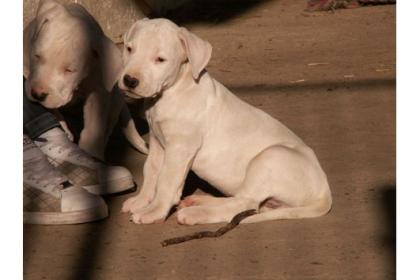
x,y
316,209
293,179
285,175
219,209
199,199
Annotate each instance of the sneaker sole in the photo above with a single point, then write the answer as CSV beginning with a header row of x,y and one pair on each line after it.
x,y
65,218
115,186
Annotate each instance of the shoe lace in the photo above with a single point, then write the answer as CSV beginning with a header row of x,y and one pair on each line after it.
x,y
70,152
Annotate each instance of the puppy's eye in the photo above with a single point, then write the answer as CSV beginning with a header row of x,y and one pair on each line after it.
x,y
37,56
159,59
129,49
69,70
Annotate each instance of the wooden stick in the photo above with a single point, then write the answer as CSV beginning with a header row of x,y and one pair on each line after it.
x,y
203,234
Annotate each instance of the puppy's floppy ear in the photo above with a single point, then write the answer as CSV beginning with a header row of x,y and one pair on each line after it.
x,y
198,51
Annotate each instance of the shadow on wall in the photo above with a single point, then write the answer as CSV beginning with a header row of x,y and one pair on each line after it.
x,y
205,11
312,86
388,197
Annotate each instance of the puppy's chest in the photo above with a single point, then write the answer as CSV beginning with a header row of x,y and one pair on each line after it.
x,y
175,116
168,124
157,125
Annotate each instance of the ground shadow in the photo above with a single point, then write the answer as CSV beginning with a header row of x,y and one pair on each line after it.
x,y
203,11
193,182
314,86
388,199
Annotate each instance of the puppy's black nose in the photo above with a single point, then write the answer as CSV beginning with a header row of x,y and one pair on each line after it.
x,y
39,96
130,82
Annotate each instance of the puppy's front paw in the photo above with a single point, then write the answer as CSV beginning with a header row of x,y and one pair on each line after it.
x,y
135,204
127,204
149,215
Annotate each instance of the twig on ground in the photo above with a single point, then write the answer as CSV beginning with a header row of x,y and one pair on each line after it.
x,y
317,64
203,234
297,81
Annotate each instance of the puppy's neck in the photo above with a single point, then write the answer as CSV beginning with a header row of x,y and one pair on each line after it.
x,y
185,80
93,82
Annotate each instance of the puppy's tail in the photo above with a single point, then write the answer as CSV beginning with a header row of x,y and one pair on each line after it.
x,y
129,130
317,209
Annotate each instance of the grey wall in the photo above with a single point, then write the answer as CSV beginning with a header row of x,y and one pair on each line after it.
x,y
115,16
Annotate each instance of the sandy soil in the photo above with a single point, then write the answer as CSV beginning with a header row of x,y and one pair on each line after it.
x,y
330,77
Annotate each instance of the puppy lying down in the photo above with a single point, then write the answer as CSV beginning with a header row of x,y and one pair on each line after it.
x,y
68,57
196,123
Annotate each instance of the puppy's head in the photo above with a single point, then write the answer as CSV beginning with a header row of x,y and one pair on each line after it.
x,y
60,55
155,52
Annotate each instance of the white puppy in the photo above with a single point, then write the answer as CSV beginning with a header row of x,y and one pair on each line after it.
x,y
67,57
196,123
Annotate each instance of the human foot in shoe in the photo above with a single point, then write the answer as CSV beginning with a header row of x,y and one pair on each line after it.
x,y
82,169
49,197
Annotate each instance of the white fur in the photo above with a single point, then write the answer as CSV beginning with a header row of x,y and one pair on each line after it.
x,y
196,123
68,57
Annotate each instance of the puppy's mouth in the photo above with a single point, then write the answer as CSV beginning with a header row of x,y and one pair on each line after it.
x,y
132,94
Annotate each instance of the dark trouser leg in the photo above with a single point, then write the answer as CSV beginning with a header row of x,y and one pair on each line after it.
x,y
36,119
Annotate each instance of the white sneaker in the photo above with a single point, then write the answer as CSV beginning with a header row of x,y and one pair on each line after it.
x,y
82,169
48,196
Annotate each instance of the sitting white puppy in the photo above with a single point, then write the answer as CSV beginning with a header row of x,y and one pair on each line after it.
x,y
67,57
196,123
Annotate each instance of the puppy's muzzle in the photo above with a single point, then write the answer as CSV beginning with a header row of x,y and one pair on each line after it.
x,y
39,96
130,82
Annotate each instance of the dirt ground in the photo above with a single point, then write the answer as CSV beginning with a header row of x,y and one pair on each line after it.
x,y
330,77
